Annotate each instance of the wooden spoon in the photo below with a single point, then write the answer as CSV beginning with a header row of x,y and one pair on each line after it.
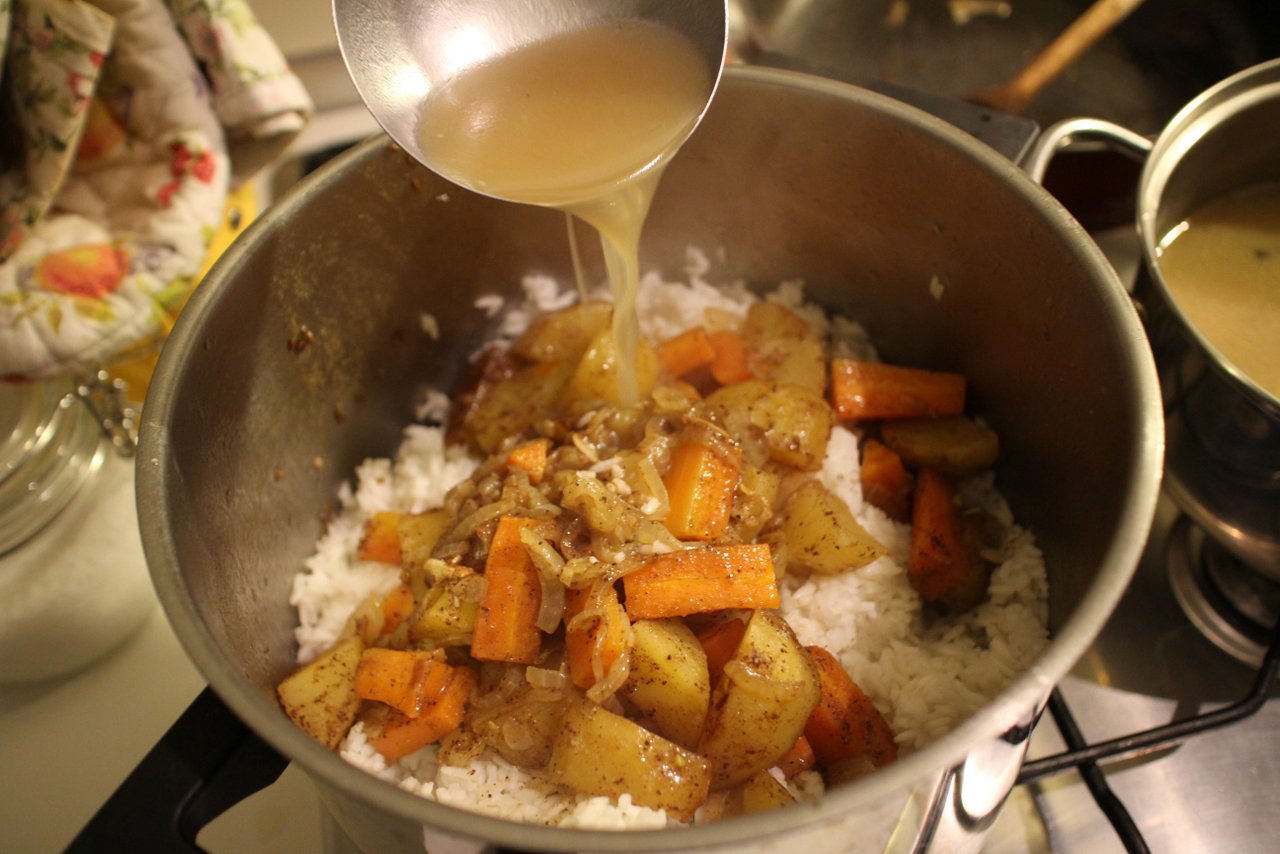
x,y
1094,23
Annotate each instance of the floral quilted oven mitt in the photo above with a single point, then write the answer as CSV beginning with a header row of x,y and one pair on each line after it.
x,y
123,125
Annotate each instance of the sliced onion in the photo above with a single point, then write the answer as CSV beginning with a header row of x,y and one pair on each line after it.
x,y
652,485
517,734
551,608
541,677
579,572
628,565
460,747
757,683
613,680
549,564
486,513
651,533
723,445
469,588
606,684
486,705
542,553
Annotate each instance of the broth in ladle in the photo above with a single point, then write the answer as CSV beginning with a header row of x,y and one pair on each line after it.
x,y
584,122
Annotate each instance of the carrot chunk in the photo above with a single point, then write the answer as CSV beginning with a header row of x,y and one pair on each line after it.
x,y
685,352
506,618
938,552
865,390
396,608
381,539
719,643
530,458
885,481
944,560
700,485
407,680
845,723
729,364
799,758
593,644
399,735
695,581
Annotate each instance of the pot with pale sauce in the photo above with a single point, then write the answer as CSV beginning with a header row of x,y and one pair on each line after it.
x,y
1209,223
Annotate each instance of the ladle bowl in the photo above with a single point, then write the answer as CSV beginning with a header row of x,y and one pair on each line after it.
x,y
398,51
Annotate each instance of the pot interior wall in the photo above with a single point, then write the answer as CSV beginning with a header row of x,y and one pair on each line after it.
x,y
1227,147
306,351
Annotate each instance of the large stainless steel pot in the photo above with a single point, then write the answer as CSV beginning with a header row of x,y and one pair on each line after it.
x,y
1223,461
303,353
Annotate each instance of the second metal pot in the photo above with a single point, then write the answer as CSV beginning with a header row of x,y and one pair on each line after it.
x,y
1223,429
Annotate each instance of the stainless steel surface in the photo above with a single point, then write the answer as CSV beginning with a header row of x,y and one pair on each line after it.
x,y
868,200
398,51
1139,75
1218,791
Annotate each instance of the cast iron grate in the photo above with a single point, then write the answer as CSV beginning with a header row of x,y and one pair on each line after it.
x,y
1085,757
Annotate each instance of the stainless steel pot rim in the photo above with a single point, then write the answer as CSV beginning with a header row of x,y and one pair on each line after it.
x,y
1234,95
260,712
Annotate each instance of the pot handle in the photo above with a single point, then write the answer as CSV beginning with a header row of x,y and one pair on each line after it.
x,y
207,762
1058,136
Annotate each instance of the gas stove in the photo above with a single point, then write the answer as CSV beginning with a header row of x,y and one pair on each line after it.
x,y
1175,701
1203,774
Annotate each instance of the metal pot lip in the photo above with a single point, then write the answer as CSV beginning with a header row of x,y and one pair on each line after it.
x,y
1233,95
259,711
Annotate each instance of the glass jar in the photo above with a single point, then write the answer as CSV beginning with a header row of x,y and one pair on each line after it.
x,y
73,579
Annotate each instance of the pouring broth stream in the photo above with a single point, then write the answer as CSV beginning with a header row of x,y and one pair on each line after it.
x,y
584,122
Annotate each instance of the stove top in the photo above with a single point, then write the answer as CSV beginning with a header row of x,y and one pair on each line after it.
x,y
1150,667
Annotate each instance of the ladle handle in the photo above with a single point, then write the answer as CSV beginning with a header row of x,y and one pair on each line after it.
x,y
207,762
1058,136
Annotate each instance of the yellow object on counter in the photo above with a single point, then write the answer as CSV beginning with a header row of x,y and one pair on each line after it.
x,y
135,368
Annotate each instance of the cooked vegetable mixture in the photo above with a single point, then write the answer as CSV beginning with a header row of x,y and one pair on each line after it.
x,y
597,603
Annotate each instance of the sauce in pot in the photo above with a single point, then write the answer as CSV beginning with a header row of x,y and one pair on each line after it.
x,y
1222,267
584,122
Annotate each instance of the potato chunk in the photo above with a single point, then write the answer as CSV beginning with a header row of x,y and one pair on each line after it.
x,y
511,406
760,704
668,681
320,697
597,374
784,348
954,445
418,534
822,535
761,793
564,334
793,423
523,728
600,753
447,615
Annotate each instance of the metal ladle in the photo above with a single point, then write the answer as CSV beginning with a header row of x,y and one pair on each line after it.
x,y
398,51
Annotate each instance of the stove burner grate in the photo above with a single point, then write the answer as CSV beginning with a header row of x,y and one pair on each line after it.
x,y
1230,603
1086,757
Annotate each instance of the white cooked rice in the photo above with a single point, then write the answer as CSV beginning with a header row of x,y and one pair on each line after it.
x,y
925,677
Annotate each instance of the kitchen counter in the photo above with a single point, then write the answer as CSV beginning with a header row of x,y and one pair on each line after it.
x,y
68,743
